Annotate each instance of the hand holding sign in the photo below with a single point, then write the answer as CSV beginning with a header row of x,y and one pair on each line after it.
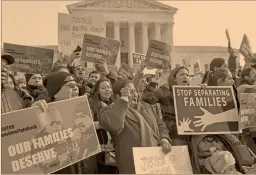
x,y
184,125
204,120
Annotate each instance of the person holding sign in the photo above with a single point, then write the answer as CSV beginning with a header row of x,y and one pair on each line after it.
x,y
132,124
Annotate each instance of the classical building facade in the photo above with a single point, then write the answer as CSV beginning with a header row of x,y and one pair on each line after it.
x,y
132,22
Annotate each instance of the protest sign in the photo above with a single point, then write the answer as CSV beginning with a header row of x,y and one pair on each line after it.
x,y
152,160
247,110
125,71
98,49
34,142
158,55
30,59
72,27
197,68
138,58
210,110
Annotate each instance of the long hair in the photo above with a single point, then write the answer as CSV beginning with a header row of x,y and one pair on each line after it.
x,y
213,77
96,99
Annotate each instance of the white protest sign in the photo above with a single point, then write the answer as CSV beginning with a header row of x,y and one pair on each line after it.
x,y
72,27
152,160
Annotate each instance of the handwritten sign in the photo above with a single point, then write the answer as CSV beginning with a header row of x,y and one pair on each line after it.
x,y
138,58
30,59
211,110
125,71
98,49
247,110
34,142
72,27
152,160
158,55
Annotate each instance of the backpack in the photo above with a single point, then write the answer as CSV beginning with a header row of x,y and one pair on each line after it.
x,y
199,149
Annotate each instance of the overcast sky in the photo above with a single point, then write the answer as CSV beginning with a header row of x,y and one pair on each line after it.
x,y
197,23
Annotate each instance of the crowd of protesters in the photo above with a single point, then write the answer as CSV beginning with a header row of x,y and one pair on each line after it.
x,y
127,113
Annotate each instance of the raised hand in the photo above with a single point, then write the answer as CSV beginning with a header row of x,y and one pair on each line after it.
x,y
184,125
204,120
41,104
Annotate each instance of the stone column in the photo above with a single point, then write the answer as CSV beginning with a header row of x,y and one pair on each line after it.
x,y
158,31
131,42
169,33
144,37
117,37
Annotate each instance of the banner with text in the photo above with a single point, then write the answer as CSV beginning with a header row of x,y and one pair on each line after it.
x,y
34,142
125,71
248,110
152,160
210,110
72,27
30,59
138,58
158,55
98,49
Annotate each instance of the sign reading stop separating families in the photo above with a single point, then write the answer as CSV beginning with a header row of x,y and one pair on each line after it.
x,y
30,59
158,55
210,110
34,142
98,49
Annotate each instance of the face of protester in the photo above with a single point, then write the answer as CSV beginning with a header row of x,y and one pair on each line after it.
x,y
35,80
228,81
94,78
10,83
182,77
143,84
22,85
105,90
133,94
53,127
80,72
223,66
68,90
252,76
4,71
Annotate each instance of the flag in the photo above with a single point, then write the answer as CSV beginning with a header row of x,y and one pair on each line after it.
x,y
245,48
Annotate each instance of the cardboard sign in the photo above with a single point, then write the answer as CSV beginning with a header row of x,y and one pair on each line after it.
x,y
30,59
245,47
72,27
138,58
158,55
210,110
98,49
248,110
34,142
197,68
125,71
152,160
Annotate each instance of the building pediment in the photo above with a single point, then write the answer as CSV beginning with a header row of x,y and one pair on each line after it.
x,y
122,5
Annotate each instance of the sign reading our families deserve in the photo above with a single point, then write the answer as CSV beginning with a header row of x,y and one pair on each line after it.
x,y
158,55
98,49
72,27
41,143
152,160
248,110
125,71
30,59
138,58
210,110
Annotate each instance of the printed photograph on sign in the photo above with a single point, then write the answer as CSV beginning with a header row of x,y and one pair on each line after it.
x,y
209,110
98,49
34,142
30,59
152,160
248,110
158,55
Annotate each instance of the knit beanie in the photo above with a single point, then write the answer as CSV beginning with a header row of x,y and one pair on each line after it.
x,y
55,81
28,76
216,62
119,84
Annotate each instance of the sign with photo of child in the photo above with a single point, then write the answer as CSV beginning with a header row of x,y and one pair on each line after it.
x,y
41,143
209,110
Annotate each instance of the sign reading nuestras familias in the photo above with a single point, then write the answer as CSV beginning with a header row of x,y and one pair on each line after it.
x,y
152,160
210,110
30,59
158,55
72,27
42,143
98,49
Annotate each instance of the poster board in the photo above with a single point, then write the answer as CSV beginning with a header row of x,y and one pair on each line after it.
x,y
210,110
125,71
34,142
30,59
138,58
151,160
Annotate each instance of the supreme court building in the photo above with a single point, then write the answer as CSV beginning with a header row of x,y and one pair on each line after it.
x,y
132,22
